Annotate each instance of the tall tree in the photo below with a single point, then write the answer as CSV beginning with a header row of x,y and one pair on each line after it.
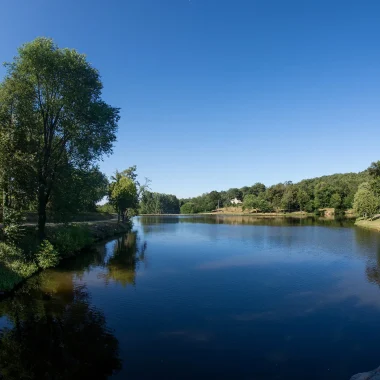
x,y
123,195
374,169
366,203
51,102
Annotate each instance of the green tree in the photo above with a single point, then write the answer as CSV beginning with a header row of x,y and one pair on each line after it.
x,y
257,188
374,172
235,193
274,194
366,203
289,199
157,203
52,106
250,202
322,195
302,198
336,201
76,190
188,208
256,202
123,195
374,169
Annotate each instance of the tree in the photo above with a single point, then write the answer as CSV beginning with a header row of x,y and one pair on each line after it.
x,y
366,203
274,194
256,202
123,195
289,199
157,203
302,198
51,104
235,193
322,195
188,208
336,201
374,169
75,191
374,172
257,188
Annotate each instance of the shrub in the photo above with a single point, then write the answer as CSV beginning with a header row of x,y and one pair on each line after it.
x,y
70,239
13,230
13,258
47,256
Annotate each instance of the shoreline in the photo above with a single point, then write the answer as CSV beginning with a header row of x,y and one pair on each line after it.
x,y
260,214
373,225
98,231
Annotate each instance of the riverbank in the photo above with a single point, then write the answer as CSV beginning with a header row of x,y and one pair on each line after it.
x,y
369,224
63,241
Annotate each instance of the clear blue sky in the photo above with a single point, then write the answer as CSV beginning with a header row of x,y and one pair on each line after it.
x,y
224,93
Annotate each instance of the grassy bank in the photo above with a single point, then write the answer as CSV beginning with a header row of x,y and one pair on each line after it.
x,y
369,224
19,262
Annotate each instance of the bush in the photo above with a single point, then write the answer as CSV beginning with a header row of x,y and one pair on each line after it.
x,y
70,239
47,256
13,229
13,258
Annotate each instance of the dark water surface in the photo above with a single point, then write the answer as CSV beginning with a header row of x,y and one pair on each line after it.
x,y
201,298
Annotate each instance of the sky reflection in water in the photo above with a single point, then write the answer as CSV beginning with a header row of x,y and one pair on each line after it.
x,y
194,297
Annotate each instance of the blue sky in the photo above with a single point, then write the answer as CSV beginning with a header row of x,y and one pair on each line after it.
x,y
220,94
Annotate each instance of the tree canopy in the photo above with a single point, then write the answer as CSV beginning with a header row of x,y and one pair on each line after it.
x,y
308,195
52,120
158,203
123,194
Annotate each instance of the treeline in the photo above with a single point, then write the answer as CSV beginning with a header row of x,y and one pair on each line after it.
x,y
157,203
310,195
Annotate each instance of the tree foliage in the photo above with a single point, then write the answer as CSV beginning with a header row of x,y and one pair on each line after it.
x,y
366,203
123,195
309,195
158,203
54,119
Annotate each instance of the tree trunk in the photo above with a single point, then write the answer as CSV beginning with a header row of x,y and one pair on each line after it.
x,y
41,213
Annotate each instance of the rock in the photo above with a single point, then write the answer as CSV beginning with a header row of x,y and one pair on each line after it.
x,y
372,375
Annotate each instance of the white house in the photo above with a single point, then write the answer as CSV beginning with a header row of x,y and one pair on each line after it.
x,y
236,201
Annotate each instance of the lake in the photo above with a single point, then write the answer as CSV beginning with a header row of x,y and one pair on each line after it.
x,y
203,297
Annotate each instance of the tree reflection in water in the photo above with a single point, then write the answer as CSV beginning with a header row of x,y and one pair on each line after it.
x,y
56,333
128,254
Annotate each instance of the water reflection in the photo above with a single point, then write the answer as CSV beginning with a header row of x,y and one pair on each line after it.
x,y
218,300
127,255
165,223
56,333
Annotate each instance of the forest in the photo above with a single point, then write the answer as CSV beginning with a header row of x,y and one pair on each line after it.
x,y
310,195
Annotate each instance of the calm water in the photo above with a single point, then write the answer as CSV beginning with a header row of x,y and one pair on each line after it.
x,y
203,297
